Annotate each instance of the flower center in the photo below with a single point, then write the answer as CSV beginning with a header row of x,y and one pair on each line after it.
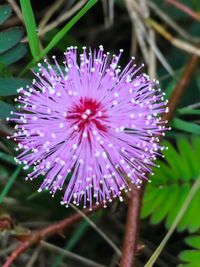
x,y
87,113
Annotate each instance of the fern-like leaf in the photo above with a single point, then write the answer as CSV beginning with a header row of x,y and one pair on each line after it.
x,y
171,183
11,50
191,257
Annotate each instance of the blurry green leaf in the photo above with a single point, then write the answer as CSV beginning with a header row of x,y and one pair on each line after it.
x,y
168,189
3,172
191,257
160,214
9,86
7,158
5,110
151,196
4,72
185,188
10,183
10,38
196,5
13,55
193,241
31,27
190,214
160,199
193,219
154,204
186,126
5,12
181,212
186,158
188,111
173,160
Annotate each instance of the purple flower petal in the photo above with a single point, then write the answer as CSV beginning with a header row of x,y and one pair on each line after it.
x,y
94,123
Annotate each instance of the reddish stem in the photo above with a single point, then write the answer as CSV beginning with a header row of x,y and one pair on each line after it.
x,y
184,8
133,216
45,232
181,86
131,231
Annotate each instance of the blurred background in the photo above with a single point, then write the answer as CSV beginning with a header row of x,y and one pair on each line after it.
x,y
165,36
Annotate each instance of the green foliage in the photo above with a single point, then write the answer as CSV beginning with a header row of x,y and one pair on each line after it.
x,y
5,110
172,181
5,12
30,27
13,55
7,158
10,49
183,125
9,38
61,33
9,86
188,111
191,257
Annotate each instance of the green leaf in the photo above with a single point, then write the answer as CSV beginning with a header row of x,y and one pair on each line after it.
x,y
171,183
186,126
193,241
184,206
160,214
188,111
5,12
172,158
196,5
10,38
194,220
191,256
186,158
190,214
164,193
61,34
7,158
148,199
9,86
31,28
181,198
5,110
13,55
156,201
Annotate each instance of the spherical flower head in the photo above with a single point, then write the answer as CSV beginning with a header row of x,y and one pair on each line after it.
x,y
89,127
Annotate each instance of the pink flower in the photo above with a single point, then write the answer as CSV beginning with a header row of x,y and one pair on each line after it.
x,y
90,127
